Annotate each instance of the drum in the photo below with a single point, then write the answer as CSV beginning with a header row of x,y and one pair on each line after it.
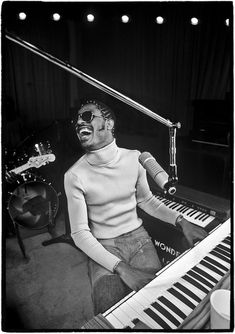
x,y
33,204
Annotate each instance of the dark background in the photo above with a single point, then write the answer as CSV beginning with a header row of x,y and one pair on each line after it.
x,y
182,72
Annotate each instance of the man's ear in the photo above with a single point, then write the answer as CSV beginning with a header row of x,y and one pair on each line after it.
x,y
110,124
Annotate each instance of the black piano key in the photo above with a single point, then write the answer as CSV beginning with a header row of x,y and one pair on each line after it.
x,y
223,248
175,206
171,306
135,321
216,263
190,211
207,216
194,282
180,207
227,241
222,252
156,318
186,209
222,257
202,216
182,298
187,292
211,267
200,278
193,213
198,215
167,314
205,274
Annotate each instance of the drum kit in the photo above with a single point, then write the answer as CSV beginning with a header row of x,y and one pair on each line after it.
x,y
33,202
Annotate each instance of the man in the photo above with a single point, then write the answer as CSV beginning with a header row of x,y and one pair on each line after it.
x,y
104,188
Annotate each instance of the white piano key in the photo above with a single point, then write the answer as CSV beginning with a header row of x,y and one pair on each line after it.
x,y
163,317
217,259
226,245
135,304
193,288
122,317
114,321
223,272
135,311
226,251
171,311
183,307
193,301
210,272
147,304
141,298
201,282
210,280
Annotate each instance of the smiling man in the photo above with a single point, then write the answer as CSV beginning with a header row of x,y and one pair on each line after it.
x,y
104,188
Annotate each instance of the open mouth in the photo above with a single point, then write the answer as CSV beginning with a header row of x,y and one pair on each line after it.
x,y
84,133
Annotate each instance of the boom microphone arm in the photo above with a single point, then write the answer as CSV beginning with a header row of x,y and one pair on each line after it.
x,y
87,78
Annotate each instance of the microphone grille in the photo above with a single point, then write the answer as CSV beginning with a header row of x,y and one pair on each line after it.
x,y
144,156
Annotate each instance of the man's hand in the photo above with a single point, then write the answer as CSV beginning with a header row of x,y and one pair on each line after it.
x,y
133,277
192,232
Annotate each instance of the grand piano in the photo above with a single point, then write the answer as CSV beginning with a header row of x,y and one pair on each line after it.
x,y
178,297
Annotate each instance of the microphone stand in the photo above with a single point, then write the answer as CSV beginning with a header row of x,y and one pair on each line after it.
x,y
173,178
105,88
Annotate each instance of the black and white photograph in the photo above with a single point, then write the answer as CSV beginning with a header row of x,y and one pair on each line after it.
x,y
117,166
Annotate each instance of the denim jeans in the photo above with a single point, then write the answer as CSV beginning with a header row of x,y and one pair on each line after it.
x,y
136,249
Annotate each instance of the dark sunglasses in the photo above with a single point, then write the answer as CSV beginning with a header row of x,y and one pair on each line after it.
x,y
87,116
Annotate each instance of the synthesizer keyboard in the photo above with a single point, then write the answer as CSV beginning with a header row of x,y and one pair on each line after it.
x,y
178,289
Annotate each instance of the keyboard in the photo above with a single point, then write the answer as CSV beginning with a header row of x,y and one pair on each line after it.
x,y
170,299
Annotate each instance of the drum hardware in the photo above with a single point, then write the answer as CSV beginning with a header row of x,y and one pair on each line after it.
x,y
33,205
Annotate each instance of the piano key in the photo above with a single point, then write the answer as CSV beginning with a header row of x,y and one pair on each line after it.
x,y
222,253
228,239
184,288
133,312
184,294
123,317
181,297
192,288
202,272
197,284
210,272
213,260
138,308
222,257
223,248
147,304
200,279
177,302
206,216
213,268
175,315
176,311
227,242
156,318
166,313
114,321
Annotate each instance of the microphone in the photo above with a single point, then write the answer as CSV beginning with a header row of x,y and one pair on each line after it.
x,y
156,172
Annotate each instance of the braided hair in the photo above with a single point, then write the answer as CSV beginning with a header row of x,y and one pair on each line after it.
x,y
106,111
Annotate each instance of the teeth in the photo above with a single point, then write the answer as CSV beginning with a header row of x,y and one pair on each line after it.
x,y
85,131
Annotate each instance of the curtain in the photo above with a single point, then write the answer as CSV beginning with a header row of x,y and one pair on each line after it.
x,y
165,67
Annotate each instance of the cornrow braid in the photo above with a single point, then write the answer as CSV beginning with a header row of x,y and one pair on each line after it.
x,y
106,112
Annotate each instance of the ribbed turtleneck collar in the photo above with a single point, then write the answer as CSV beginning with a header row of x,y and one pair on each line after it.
x,y
103,156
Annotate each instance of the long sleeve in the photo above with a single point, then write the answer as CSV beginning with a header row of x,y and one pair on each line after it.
x,y
149,203
80,230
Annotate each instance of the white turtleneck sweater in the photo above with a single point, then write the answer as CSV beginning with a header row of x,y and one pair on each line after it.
x,y
103,189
